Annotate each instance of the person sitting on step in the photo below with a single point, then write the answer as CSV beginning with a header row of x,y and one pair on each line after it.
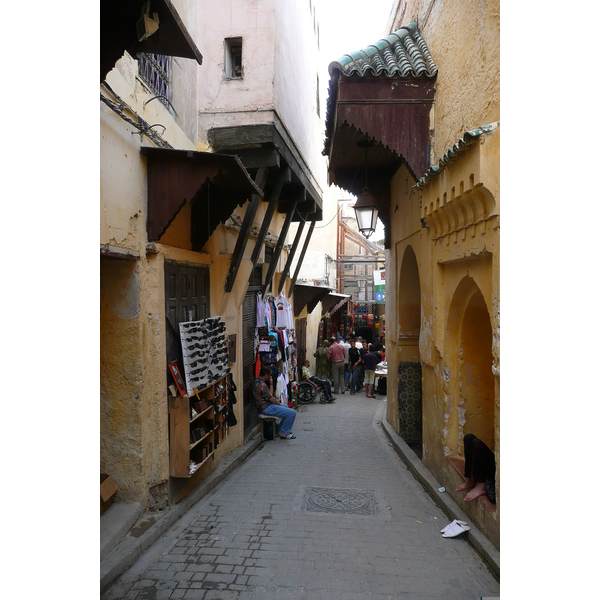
x,y
325,386
480,468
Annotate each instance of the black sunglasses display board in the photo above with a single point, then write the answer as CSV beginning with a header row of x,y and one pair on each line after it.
x,y
205,354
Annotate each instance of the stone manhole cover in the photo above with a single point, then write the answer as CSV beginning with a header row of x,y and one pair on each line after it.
x,y
331,500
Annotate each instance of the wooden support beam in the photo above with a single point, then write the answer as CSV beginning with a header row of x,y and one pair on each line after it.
x,y
258,157
284,177
304,248
279,246
240,245
288,264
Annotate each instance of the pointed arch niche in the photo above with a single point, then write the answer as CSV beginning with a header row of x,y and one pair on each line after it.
x,y
469,355
410,398
409,307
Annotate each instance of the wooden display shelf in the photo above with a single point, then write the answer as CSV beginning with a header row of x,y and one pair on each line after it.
x,y
203,413
180,427
201,464
202,439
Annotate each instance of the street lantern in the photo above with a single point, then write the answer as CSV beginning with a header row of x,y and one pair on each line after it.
x,y
366,212
366,207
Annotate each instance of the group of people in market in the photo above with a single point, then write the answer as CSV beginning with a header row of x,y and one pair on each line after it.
x,y
342,366
345,365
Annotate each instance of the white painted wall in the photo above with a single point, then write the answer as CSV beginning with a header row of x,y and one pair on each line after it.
x,y
185,73
280,59
224,102
296,69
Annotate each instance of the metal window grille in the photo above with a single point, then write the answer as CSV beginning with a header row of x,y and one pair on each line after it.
x,y
155,70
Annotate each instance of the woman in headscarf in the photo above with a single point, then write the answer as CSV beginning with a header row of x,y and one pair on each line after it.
x,y
323,366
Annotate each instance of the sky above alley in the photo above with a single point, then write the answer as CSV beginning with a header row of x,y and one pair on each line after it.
x,y
349,25
346,26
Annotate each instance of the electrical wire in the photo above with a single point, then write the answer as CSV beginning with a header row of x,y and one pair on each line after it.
x,y
120,107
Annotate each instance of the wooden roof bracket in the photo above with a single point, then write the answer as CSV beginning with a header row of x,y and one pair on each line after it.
x,y
288,264
284,177
282,235
240,245
301,259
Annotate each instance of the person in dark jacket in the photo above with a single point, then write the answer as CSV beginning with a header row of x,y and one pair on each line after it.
x,y
370,360
354,364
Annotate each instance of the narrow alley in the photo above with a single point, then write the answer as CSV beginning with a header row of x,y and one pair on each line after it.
x,y
332,514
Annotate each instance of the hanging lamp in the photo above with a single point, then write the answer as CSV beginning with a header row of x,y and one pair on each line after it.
x,y
366,207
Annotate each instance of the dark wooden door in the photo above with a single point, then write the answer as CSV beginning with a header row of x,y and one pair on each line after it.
x,y
186,299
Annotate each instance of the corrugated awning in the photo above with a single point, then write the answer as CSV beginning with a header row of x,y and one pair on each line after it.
x,y
334,302
118,32
215,184
309,296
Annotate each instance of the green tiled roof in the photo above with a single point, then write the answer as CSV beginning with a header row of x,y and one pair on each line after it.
x,y
463,143
402,53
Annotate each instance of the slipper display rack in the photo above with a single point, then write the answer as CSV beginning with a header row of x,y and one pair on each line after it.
x,y
197,426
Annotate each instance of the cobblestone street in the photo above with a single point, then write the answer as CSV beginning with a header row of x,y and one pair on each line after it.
x,y
334,514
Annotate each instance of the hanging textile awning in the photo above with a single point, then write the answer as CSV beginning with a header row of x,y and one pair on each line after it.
x,y
343,302
333,302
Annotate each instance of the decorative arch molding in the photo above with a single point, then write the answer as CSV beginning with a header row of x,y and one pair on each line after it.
x,y
462,214
457,197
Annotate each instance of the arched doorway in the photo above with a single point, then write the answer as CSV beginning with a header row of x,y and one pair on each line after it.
x,y
470,353
409,302
410,398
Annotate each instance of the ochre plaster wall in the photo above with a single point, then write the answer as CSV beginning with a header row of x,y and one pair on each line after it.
x,y
120,377
457,254
133,401
464,39
133,369
458,337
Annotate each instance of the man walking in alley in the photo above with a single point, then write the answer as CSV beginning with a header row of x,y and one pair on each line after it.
x,y
346,369
336,354
370,360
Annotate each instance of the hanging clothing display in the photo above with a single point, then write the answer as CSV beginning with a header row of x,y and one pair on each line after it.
x,y
275,343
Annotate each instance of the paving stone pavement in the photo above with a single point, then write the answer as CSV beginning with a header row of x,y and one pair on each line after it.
x,y
331,515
